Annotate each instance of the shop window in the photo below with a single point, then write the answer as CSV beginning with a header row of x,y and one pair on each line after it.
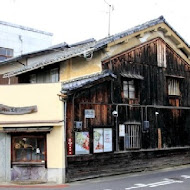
x,y
129,90
173,87
28,149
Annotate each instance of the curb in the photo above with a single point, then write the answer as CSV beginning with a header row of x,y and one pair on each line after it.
x,y
33,186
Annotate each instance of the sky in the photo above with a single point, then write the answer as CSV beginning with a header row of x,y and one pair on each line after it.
x,y
77,20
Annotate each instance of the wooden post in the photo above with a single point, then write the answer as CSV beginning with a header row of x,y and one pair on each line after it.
x,y
159,139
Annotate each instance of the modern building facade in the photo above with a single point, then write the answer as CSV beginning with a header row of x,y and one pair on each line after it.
x,y
17,40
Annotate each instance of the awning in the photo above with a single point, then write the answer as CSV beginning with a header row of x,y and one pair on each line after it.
x,y
132,76
175,76
26,129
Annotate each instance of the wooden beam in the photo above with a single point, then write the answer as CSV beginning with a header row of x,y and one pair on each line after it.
x,y
167,34
180,46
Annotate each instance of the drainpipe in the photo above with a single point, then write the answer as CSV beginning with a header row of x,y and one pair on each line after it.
x,y
65,137
117,133
63,99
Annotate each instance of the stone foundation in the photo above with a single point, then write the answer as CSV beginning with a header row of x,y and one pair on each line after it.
x,y
97,165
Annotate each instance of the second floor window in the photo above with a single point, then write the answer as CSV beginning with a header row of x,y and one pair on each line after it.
x,y
173,87
129,89
48,76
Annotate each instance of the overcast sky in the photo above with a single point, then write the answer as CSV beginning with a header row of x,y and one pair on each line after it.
x,y
75,20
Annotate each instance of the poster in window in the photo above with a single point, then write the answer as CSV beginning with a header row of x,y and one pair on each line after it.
x,y
98,140
107,139
82,143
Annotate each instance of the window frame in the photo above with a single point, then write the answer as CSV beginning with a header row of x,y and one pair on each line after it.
x,y
32,136
134,87
8,53
174,89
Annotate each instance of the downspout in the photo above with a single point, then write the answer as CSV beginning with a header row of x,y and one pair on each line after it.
x,y
65,138
64,100
117,135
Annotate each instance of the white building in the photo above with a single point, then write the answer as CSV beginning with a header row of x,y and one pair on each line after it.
x,y
17,40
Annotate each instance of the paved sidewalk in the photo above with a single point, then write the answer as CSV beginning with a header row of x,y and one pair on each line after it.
x,y
41,186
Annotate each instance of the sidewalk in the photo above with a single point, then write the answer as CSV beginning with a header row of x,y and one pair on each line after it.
x,y
41,186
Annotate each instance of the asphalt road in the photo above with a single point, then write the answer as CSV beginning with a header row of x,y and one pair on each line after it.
x,y
168,179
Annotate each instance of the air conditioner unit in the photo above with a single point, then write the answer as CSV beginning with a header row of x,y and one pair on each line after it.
x,y
78,124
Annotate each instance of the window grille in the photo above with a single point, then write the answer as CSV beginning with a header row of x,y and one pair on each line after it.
x,y
132,136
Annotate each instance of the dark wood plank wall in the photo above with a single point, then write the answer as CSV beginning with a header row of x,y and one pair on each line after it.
x,y
98,98
141,60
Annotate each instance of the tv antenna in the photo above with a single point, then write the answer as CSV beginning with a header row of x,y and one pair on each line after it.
x,y
109,17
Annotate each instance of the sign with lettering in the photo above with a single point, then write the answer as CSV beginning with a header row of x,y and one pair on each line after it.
x,y
89,113
69,146
7,110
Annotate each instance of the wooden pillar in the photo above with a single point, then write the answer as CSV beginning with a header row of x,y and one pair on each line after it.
x,y
159,139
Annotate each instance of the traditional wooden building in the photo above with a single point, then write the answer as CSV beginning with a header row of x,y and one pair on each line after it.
x,y
125,99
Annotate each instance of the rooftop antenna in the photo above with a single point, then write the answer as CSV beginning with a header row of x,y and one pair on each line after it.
x,y
110,6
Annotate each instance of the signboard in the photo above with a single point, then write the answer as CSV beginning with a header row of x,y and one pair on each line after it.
x,y
82,143
102,140
107,139
121,130
89,113
69,146
7,110
98,140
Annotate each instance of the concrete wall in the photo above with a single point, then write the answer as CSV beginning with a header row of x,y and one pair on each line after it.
x,y
5,157
23,39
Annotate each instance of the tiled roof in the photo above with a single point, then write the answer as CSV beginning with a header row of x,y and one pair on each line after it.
x,y
85,81
135,29
69,51
61,55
